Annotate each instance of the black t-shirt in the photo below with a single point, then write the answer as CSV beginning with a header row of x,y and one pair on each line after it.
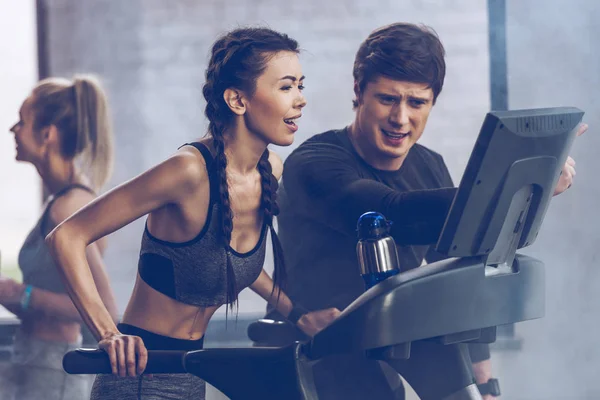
x,y
326,186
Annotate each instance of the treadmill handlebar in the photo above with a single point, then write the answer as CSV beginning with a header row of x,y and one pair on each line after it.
x,y
96,361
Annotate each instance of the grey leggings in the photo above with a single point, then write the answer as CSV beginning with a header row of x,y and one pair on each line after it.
x,y
36,372
156,386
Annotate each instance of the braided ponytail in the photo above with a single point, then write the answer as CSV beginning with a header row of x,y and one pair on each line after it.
x,y
226,217
270,209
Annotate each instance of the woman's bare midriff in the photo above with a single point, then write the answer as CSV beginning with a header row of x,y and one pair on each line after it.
x,y
153,311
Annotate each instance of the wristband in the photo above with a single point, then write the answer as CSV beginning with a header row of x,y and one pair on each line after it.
x,y
26,297
296,313
490,387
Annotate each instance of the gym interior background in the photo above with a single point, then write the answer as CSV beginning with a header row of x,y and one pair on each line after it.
x,y
151,55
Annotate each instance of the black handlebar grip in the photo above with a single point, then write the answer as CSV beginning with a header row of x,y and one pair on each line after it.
x,y
96,361
273,333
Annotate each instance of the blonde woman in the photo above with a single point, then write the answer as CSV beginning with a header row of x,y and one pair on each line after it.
x,y
64,131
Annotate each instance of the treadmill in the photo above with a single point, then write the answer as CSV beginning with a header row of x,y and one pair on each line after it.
x,y
419,321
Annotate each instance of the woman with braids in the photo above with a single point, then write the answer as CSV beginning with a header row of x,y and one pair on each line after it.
x,y
64,131
209,207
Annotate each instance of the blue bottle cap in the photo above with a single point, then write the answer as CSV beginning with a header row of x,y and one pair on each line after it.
x,y
372,225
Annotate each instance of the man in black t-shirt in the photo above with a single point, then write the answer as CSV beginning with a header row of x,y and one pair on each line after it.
x,y
375,164
326,185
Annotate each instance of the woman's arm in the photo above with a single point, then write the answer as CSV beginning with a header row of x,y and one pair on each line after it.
x,y
171,182
60,305
57,305
264,287
310,322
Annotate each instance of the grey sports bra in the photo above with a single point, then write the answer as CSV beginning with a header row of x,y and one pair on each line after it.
x,y
194,272
35,261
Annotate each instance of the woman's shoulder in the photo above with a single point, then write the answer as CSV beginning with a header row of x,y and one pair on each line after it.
x,y
276,164
189,166
67,202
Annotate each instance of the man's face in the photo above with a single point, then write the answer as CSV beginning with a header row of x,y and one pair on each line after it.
x,y
390,118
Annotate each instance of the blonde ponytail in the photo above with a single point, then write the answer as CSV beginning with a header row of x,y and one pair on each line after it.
x,y
95,141
79,109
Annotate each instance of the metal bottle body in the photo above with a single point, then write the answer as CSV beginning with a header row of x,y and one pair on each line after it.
x,y
376,249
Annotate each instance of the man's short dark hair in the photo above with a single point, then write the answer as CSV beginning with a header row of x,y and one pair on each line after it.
x,y
404,52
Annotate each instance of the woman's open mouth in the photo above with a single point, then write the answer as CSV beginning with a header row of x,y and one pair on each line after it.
x,y
290,122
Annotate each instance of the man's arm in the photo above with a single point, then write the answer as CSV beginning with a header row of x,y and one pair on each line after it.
x,y
330,174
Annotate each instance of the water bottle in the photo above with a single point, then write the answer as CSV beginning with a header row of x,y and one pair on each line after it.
x,y
376,249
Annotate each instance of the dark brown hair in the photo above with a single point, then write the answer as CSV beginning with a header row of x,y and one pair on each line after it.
x,y
238,58
404,52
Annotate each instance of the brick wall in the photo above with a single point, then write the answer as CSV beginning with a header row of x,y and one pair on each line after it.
x,y
19,182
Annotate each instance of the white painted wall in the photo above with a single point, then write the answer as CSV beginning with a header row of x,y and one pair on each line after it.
x,y
19,185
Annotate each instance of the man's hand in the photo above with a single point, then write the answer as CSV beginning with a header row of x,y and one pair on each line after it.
x,y
566,177
313,322
568,171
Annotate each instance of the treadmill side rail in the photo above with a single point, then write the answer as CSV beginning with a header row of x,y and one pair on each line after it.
x,y
452,296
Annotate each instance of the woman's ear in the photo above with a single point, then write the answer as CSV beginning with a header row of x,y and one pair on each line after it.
x,y
235,100
50,134
49,137
44,135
